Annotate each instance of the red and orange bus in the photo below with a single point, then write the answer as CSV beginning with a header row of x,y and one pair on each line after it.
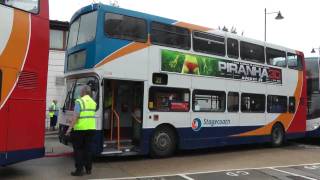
x,y
24,44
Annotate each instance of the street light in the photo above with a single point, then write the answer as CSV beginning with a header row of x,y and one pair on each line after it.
x,y
314,51
278,17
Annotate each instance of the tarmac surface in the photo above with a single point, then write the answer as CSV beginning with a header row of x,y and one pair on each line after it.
x,y
294,161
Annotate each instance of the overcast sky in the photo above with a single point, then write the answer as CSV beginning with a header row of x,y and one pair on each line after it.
x,y
300,28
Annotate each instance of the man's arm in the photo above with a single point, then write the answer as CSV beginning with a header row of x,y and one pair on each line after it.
x,y
75,117
74,120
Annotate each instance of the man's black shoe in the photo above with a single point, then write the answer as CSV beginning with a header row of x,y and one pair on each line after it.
x,y
76,173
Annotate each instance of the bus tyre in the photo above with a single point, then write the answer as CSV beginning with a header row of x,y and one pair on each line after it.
x,y
163,142
277,135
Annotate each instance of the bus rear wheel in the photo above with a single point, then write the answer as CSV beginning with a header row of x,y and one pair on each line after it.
x,y
163,142
277,135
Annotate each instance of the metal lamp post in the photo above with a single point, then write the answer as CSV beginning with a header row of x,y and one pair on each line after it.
x,y
278,17
314,51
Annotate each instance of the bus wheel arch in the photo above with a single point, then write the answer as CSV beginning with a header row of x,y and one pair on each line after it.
x,y
164,141
277,134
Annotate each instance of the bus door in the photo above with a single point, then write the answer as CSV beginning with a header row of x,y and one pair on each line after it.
x,y
123,107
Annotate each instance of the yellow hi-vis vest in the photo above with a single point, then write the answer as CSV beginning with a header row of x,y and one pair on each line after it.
x,y
86,119
52,109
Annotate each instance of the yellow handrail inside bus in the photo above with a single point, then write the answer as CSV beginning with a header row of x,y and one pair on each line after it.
x,y
118,128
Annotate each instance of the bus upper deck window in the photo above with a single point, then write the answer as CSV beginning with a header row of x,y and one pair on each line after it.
x,y
233,48
294,61
252,52
276,57
26,5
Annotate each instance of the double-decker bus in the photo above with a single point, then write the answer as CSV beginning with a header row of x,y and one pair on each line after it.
x,y
163,85
313,94
24,46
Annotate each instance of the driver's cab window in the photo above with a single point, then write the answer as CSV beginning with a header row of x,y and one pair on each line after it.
x,y
26,5
74,89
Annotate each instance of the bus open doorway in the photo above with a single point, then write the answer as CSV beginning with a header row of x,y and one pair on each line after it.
x,y
122,119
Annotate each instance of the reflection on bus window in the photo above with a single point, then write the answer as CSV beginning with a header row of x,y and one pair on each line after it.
x,y
26,5
252,103
125,27
294,61
70,86
277,104
312,68
252,52
292,104
169,35
83,29
209,43
74,89
233,102
233,48
209,101
169,99
276,57
87,30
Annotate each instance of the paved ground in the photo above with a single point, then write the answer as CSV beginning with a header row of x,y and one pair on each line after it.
x,y
299,172
296,161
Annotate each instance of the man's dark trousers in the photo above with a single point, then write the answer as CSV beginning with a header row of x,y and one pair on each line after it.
x,y
82,144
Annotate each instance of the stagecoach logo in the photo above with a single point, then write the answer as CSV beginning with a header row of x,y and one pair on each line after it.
x,y
196,124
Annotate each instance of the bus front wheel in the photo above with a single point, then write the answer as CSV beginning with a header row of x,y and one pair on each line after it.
x,y
163,142
277,135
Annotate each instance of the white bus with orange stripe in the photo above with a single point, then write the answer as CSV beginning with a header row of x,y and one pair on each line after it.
x,y
164,85
24,39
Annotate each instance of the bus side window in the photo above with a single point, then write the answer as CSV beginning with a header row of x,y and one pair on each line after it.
x,y
0,84
294,61
169,99
233,102
233,48
292,104
209,101
170,36
276,57
276,104
252,52
26,5
125,27
253,103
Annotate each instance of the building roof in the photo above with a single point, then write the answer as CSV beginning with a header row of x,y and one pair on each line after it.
x,y
59,25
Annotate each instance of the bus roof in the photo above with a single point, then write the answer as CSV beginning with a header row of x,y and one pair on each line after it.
x,y
149,17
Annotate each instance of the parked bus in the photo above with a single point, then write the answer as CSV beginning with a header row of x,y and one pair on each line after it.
x,y
163,85
313,94
24,44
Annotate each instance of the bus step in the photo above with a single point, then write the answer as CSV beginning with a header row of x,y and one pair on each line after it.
x,y
114,144
111,151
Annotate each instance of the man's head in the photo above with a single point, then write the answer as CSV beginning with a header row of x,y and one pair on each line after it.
x,y
55,101
86,90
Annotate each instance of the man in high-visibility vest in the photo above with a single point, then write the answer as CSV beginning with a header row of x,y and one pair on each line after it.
x,y
53,114
82,129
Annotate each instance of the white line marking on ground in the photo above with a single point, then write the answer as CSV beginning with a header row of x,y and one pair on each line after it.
x,y
186,177
294,174
204,172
